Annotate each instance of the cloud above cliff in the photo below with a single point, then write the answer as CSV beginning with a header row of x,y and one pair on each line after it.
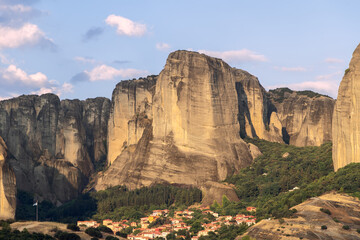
x,y
326,84
104,72
125,26
15,80
163,46
243,55
333,60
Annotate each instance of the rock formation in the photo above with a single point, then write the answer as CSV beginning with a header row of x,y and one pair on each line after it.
x,y
53,142
346,118
306,117
190,132
7,185
257,115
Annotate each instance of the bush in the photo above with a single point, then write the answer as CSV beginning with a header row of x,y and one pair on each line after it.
x,y
346,227
121,234
94,238
105,229
325,210
73,226
66,236
323,227
93,232
111,238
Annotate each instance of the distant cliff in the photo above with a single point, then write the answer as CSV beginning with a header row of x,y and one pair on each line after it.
x,y
54,143
346,119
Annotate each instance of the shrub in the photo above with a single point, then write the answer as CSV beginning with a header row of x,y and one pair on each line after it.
x,y
94,238
111,238
335,220
66,236
323,227
358,230
346,227
93,232
73,226
347,71
325,210
105,229
121,234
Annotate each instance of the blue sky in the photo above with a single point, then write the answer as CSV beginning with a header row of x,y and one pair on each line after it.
x,y
83,48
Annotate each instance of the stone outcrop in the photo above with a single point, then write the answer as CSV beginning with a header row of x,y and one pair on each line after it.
x,y
346,118
190,132
54,144
306,117
7,185
257,115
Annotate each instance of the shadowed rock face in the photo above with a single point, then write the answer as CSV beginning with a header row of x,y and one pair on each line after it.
x,y
190,132
306,117
7,185
346,118
53,142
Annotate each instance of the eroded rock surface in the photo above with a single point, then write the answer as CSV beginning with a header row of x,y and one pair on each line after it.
x,y
306,117
53,142
7,185
346,118
188,135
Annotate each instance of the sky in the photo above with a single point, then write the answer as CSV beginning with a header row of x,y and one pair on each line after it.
x,y
82,49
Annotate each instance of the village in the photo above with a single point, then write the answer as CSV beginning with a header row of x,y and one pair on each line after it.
x,y
146,228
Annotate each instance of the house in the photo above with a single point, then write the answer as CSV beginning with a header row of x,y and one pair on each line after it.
x,y
87,223
133,224
107,222
251,209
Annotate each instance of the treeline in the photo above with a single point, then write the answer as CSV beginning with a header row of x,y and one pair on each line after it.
x,y
116,203
120,203
279,170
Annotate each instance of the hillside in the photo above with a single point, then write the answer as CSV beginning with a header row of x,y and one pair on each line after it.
x,y
330,216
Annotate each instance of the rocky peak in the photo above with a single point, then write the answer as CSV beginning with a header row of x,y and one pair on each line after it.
x,y
346,118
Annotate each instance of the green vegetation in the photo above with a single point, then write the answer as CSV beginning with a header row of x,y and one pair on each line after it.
x,y
346,227
323,227
73,227
105,229
119,203
278,95
347,71
111,238
7,233
272,175
60,235
228,208
325,210
93,232
226,232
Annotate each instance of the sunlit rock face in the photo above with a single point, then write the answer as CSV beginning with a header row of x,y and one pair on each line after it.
x,y
54,143
7,185
306,117
190,132
346,118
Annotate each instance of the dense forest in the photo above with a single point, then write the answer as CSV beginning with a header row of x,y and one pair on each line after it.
x,y
116,203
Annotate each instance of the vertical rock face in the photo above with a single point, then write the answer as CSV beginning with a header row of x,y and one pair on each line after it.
x,y
53,142
131,106
7,185
257,115
346,118
192,135
306,116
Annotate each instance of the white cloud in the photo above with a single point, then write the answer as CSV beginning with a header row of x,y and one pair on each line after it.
x,y
85,60
14,79
291,69
125,26
326,84
15,14
28,34
333,60
104,72
244,55
58,90
163,46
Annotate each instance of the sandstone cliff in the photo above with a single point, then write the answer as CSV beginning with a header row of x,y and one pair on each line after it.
x,y
306,117
53,142
257,115
7,185
346,118
189,128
